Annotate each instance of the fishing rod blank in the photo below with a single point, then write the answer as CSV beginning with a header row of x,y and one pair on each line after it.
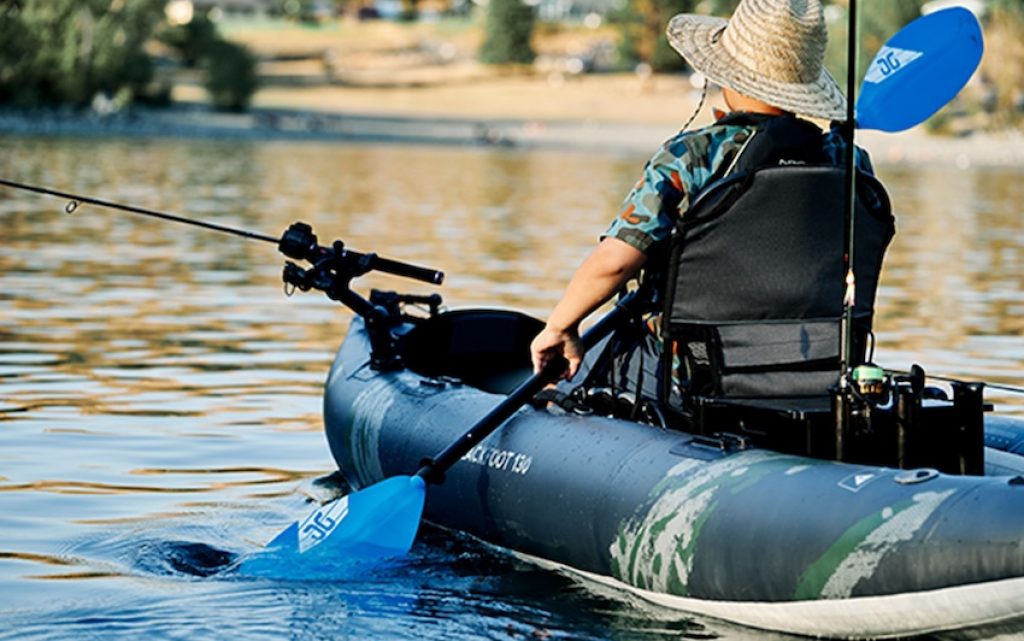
x,y
76,199
297,242
946,379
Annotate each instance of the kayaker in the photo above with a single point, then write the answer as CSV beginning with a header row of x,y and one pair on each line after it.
x,y
768,59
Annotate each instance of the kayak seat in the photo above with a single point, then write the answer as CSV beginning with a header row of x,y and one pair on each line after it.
x,y
756,282
485,348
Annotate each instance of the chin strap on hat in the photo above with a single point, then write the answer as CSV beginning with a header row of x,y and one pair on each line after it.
x,y
700,105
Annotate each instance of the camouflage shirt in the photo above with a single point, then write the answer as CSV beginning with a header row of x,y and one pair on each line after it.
x,y
686,164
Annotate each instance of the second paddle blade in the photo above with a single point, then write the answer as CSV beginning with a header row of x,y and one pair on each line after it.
x,y
919,70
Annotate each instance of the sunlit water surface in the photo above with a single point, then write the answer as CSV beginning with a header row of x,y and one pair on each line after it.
x,y
160,397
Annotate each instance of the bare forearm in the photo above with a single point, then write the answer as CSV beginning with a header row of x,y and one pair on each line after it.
x,y
604,271
602,274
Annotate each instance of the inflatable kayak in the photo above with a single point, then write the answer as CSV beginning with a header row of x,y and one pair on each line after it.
x,y
710,525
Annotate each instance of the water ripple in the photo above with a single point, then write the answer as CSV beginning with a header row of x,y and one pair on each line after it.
x,y
161,399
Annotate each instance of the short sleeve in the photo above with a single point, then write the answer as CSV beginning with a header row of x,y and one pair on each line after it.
x,y
649,211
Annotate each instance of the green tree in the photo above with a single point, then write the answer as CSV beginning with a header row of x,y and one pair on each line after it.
x,y
664,57
229,70
65,51
1003,64
508,33
16,56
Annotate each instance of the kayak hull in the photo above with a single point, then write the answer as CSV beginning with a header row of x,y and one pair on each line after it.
x,y
761,538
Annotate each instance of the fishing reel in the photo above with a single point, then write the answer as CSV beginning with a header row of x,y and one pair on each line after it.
x,y
878,388
299,242
898,420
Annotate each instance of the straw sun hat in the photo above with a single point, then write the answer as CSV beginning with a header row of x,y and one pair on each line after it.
x,y
772,50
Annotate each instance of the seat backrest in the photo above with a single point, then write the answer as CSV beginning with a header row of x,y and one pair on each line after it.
x,y
756,280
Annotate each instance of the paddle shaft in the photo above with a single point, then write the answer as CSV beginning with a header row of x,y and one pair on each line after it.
x,y
433,470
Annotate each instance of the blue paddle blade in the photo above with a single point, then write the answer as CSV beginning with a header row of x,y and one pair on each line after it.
x,y
377,522
920,69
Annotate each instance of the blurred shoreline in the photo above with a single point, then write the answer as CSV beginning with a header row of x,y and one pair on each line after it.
x,y
269,123
384,82
266,124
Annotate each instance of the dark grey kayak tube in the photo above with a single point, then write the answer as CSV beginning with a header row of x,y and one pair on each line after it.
x,y
674,516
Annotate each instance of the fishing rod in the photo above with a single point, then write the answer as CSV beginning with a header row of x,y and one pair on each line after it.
x,y
850,217
914,74
332,267
946,379
75,200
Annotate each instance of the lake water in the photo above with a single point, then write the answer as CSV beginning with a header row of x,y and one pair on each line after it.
x,y
160,396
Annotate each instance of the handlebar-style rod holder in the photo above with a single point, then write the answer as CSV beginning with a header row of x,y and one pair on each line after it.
x,y
299,242
332,270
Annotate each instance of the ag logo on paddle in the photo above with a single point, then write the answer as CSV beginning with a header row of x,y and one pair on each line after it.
x,y
888,62
319,524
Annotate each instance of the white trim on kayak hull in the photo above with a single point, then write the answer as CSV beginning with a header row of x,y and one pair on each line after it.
x,y
960,608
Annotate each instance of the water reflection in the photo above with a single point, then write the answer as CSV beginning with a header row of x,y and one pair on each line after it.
x,y
158,390
951,294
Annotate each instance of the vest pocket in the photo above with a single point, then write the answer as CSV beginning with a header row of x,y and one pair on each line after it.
x,y
763,358
745,345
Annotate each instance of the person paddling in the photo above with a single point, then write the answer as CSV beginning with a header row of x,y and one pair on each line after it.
x,y
768,58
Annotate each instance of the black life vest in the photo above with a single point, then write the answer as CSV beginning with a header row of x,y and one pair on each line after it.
x,y
755,279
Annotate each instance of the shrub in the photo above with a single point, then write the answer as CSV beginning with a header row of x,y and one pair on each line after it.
x,y
192,40
66,51
230,75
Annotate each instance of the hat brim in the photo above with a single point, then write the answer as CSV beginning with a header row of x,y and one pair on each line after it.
x,y
697,38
